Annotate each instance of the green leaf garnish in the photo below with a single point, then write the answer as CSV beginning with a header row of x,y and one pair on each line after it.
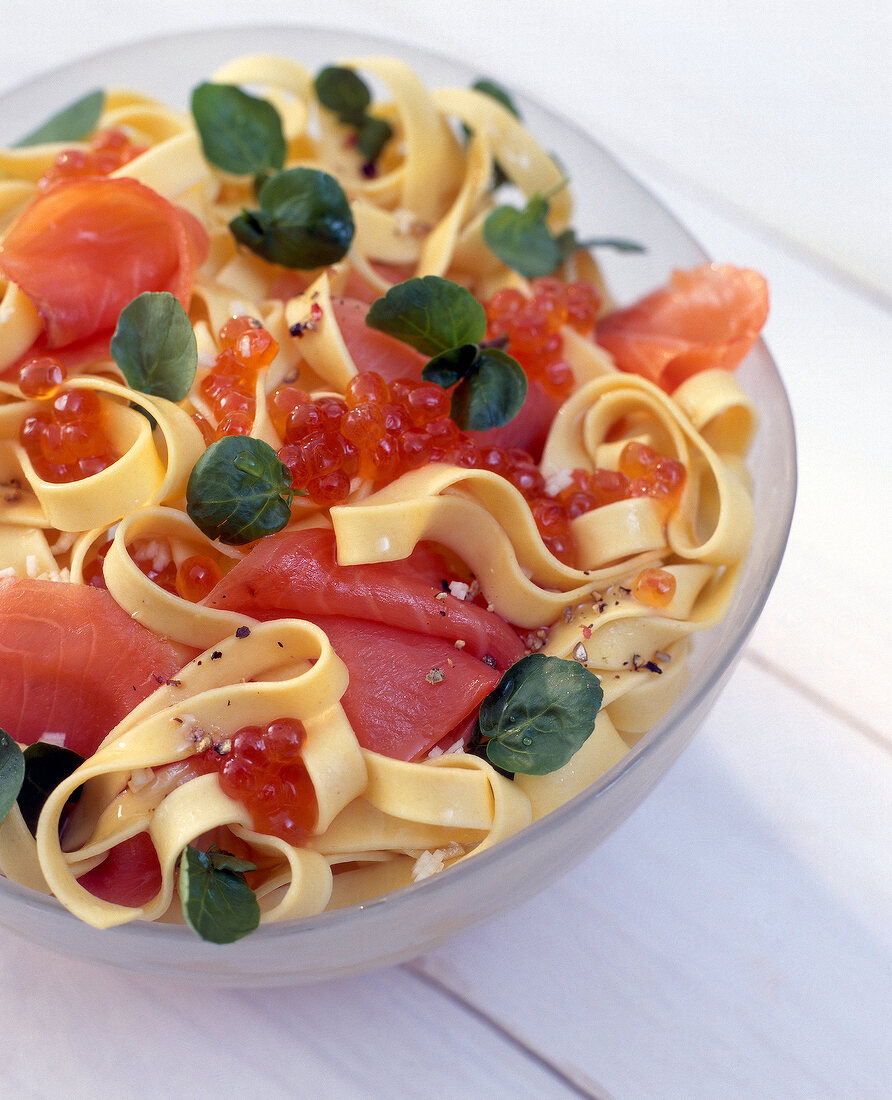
x,y
492,394
30,777
344,92
452,365
445,321
430,314
217,901
46,766
496,92
521,238
568,243
372,135
77,120
239,491
239,133
154,345
12,772
540,713
304,220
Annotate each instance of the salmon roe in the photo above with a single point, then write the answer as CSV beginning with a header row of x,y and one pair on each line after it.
x,y
654,587
651,474
229,387
265,771
196,576
65,440
192,580
379,431
642,472
376,431
108,150
532,326
152,557
39,377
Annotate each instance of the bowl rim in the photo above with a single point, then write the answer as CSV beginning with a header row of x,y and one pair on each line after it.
x,y
704,681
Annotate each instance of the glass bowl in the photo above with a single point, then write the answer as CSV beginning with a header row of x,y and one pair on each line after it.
x,y
398,926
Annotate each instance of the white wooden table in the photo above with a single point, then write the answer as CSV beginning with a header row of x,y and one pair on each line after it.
x,y
734,937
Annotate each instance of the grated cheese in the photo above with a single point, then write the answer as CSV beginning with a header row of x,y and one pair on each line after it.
x,y
558,481
432,862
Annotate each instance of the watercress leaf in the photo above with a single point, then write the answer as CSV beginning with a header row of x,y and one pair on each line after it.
x,y
492,394
496,92
239,491
540,713
341,90
372,135
226,861
430,314
304,220
345,93
72,123
240,133
46,766
217,902
450,366
12,772
522,239
568,243
154,345
618,244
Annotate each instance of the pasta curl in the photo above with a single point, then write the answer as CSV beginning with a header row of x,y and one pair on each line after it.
x,y
232,685
141,476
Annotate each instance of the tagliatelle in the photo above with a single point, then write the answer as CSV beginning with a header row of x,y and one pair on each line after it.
x,y
379,823
483,519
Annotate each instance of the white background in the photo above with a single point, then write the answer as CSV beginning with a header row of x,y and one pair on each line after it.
x,y
734,937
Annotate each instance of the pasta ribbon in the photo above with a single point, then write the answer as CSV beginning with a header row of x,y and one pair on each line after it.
x,y
321,344
432,164
18,853
521,158
164,612
239,682
20,325
288,82
484,520
454,803
140,476
714,522
388,236
598,754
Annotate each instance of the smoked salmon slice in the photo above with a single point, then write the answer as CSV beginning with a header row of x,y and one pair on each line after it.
x,y
392,623
707,317
73,663
407,691
374,350
86,248
296,574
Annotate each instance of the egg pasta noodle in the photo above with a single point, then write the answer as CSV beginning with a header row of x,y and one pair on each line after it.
x,y
380,822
